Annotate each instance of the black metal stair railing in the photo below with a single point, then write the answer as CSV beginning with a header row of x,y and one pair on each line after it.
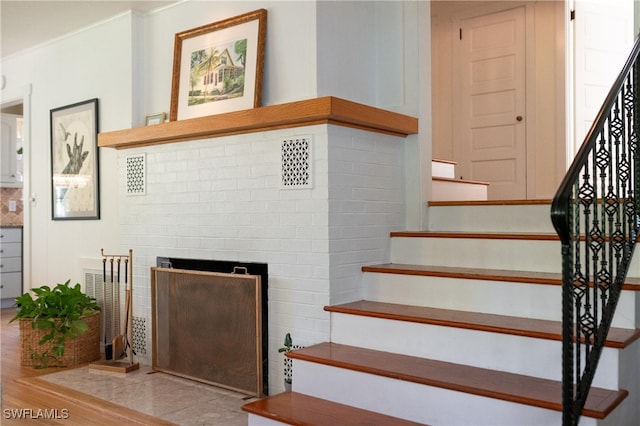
x,y
596,213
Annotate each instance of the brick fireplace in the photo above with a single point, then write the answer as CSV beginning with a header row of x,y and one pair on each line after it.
x,y
223,198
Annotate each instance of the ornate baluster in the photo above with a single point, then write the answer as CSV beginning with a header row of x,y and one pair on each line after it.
x,y
597,202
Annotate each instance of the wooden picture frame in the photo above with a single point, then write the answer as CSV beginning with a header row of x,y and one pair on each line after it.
x,y
75,177
153,119
218,67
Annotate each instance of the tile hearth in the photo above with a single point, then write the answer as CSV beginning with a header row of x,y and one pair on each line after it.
x,y
174,399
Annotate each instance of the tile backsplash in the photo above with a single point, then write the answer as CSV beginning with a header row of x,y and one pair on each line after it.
x,y
7,197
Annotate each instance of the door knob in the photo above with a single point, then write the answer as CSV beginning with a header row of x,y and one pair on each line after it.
x,y
519,118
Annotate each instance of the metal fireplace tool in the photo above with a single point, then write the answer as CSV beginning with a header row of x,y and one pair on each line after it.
x,y
118,338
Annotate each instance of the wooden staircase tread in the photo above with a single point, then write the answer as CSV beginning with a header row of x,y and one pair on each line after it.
x,y
440,160
299,409
539,236
490,203
475,235
511,387
527,327
529,277
454,180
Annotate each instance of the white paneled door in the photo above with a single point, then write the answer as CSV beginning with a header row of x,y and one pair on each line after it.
x,y
489,99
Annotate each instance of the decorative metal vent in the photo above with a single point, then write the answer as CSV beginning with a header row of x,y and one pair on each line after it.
x,y
136,172
94,287
92,282
297,163
139,335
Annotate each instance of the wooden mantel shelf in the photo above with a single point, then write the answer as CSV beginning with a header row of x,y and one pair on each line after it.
x,y
326,110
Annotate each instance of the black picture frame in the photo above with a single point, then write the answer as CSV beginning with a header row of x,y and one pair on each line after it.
x,y
75,175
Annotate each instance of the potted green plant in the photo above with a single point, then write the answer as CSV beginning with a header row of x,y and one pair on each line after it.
x,y
288,362
59,326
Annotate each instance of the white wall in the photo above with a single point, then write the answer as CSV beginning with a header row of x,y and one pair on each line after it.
x,y
346,49
354,50
95,63
102,61
375,53
219,198
290,55
366,202
368,52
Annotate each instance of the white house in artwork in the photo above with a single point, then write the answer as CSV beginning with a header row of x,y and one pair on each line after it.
x,y
218,75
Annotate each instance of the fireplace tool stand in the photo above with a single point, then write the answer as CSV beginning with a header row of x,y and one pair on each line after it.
x,y
118,338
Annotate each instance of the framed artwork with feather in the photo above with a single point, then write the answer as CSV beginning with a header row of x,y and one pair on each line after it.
x,y
75,185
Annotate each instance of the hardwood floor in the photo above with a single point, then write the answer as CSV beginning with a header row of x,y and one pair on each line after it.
x,y
23,405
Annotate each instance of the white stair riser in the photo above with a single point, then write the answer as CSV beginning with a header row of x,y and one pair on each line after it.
x,y
627,413
457,191
411,401
519,218
495,351
630,380
254,420
443,170
509,254
492,297
524,255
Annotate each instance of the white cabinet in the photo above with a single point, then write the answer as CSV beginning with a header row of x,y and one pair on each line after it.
x,y
10,263
10,143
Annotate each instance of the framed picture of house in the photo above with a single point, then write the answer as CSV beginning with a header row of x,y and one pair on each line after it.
x,y
74,161
218,67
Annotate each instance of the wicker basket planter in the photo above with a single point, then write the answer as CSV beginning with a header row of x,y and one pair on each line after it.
x,y
84,348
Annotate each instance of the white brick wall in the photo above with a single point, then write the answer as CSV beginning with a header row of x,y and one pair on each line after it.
x,y
367,201
221,199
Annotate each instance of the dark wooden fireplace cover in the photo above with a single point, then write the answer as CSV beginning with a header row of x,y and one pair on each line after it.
x,y
207,326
